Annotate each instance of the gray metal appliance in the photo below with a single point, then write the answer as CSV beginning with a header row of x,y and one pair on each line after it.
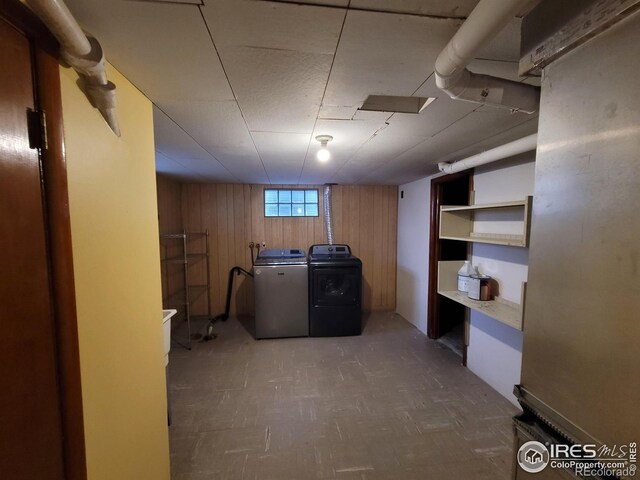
x,y
581,361
281,294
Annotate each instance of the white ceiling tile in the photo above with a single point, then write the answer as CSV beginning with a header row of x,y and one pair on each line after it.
x,y
278,90
438,8
348,137
277,57
176,145
328,3
505,45
282,154
403,132
332,112
164,49
458,8
219,128
480,130
186,2
381,54
522,126
170,167
277,26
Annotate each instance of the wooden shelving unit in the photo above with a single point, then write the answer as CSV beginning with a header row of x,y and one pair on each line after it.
x,y
504,311
457,222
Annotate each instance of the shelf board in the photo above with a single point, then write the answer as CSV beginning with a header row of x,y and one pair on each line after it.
x,y
459,222
492,206
504,311
499,309
493,238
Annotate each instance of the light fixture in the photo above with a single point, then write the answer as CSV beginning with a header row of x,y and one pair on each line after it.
x,y
323,154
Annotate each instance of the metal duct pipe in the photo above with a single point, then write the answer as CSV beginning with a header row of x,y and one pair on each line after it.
x,y
452,76
327,213
81,52
507,150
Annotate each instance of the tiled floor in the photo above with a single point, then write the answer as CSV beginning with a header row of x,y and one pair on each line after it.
x,y
389,404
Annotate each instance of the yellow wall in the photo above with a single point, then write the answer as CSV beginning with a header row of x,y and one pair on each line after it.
x,y
114,222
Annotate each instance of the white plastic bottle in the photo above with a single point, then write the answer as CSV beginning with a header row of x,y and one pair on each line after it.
x,y
463,276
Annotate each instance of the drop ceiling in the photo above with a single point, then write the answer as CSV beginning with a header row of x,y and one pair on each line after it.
x,y
242,87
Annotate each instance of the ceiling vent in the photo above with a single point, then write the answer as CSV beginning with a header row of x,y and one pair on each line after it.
x,y
388,103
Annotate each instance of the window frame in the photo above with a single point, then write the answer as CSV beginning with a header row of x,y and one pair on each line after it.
x,y
291,203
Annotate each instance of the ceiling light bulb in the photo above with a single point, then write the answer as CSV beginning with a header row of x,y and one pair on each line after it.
x,y
323,155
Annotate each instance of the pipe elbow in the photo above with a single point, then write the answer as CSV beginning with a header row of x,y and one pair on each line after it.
x,y
444,167
494,91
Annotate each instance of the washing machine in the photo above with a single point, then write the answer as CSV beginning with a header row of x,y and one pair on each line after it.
x,y
281,294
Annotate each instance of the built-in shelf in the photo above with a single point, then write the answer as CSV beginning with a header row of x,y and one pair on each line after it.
x,y
504,311
457,222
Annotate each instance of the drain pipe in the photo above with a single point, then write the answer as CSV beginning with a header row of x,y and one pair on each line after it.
x,y
327,213
522,145
452,76
81,52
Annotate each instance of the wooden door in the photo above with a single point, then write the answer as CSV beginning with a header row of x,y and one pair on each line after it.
x,y
30,403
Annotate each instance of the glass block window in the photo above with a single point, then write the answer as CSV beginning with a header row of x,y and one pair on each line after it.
x,y
290,203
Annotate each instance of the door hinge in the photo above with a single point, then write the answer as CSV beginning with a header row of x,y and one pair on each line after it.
x,y
37,124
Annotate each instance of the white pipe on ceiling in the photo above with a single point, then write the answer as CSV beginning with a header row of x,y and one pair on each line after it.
x,y
83,53
452,76
507,150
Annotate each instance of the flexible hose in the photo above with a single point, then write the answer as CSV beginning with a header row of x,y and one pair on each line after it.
x,y
227,306
327,213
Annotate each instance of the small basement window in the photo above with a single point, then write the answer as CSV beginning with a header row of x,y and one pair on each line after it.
x,y
290,203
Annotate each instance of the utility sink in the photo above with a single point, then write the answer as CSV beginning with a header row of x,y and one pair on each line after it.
x,y
166,330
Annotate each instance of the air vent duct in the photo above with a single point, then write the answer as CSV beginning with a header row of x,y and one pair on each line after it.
x,y
395,104
452,76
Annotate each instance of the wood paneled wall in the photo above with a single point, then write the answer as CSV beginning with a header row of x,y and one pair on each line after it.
x,y
169,205
170,221
364,217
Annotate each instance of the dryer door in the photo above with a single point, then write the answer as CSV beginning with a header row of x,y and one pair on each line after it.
x,y
335,286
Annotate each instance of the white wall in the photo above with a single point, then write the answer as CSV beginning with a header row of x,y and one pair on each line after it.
x,y
495,349
412,284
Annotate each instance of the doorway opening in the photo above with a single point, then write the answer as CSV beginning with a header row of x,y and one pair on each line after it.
x,y
446,319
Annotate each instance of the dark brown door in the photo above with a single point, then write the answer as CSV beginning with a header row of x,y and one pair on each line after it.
x,y
30,420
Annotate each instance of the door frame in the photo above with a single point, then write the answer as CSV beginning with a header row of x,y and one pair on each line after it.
x,y
58,231
437,183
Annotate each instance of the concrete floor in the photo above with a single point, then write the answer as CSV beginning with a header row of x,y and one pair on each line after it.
x,y
389,404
